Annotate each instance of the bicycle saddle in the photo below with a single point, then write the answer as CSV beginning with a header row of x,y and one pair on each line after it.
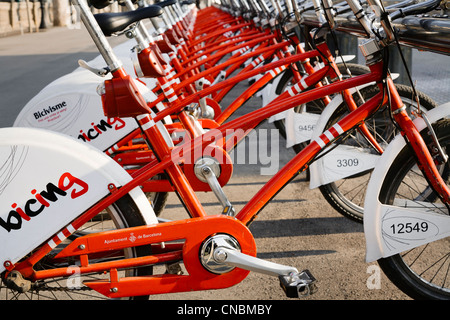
x,y
100,4
166,3
111,22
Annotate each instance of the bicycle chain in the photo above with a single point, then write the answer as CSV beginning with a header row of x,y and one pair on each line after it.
x,y
47,288
36,287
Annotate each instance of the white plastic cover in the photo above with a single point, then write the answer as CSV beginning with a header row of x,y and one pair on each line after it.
x,y
46,181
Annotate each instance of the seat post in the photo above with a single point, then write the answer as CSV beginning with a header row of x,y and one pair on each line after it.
x,y
97,36
142,36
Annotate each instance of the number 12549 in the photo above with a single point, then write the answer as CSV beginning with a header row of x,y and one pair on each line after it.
x,y
399,228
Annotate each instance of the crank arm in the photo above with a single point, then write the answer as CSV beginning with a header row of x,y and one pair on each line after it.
x,y
237,259
211,179
295,284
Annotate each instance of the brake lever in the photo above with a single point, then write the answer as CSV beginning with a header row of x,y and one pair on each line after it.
x,y
99,72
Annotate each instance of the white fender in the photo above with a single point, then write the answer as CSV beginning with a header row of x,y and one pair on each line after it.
x,y
344,58
379,218
72,106
328,168
299,126
46,181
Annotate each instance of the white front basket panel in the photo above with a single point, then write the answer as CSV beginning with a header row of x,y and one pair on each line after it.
x,y
46,181
71,105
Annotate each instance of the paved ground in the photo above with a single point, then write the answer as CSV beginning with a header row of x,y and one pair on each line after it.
x,y
297,228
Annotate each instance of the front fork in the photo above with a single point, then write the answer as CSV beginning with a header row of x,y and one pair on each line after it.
x,y
425,160
373,55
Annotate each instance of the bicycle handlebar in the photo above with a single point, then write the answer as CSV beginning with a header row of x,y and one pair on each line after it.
x,y
384,17
417,8
336,13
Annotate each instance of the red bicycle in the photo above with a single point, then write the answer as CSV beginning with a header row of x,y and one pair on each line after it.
x,y
217,251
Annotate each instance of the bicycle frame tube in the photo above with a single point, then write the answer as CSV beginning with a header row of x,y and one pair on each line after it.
x,y
274,68
315,78
226,51
280,54
238,102
168,157
226,41
218,33
178,105
189,69
255,120
218,48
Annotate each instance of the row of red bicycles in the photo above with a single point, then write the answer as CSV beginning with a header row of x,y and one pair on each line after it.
x,y
116,136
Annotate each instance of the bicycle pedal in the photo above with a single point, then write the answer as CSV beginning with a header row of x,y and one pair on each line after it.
x,y
297,285
174,268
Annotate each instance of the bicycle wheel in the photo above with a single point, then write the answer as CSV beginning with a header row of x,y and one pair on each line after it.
x,y
347,195
122,214
315,106
422,272
158,200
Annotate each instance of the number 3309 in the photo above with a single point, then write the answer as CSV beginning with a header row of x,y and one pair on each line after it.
x,y
342,163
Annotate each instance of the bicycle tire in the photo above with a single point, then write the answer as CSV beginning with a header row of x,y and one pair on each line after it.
x,y
122,214
342,195
158,200
416,272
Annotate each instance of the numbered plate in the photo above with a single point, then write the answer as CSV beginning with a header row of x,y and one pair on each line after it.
x,y
406,228
342,162
299,126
